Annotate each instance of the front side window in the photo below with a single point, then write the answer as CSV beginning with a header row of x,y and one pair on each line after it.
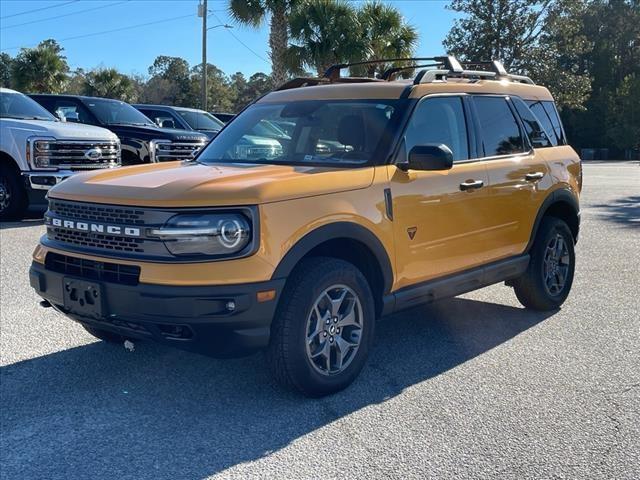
x,y
439,120
20,107
499,129
114,112
318,132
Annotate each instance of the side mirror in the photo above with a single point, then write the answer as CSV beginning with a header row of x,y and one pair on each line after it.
x,y
429,157
168,124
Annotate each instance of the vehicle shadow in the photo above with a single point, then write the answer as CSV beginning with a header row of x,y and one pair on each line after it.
x,y
98,410
625,211
31,219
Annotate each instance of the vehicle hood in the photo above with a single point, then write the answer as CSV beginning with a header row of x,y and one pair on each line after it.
x,y
191,184
58,130
152,132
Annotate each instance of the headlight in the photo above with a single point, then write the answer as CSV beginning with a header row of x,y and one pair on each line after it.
x,y
39,152
206,234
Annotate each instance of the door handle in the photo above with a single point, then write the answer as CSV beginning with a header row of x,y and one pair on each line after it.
x,y
471,185
533,176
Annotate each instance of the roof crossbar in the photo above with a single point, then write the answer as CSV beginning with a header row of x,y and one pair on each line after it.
x,y
389,73
449,62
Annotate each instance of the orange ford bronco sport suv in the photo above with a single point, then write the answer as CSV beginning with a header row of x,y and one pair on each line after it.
x,y
324,205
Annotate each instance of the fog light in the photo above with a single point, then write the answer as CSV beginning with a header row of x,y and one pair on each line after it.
x,y
231,305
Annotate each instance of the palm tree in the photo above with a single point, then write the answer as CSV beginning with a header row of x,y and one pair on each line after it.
x,y
325,32
253,13
387,35
109,83
41,69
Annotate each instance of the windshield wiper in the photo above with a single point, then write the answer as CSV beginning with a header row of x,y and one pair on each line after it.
x,y
136,124
17,117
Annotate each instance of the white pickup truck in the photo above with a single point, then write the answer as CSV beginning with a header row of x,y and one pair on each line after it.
x,y
37,151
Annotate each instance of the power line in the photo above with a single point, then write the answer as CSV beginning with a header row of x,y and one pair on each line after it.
x,y
240,41
39,9
109,31
65,15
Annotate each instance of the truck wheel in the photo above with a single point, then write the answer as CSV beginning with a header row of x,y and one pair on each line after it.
x,y
548,279
323,328
104,335
13,197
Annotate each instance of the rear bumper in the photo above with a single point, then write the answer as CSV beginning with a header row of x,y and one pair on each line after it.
x,y
197,319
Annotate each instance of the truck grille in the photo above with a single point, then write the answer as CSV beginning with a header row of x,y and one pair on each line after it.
x,y
93,270
80,155
165,151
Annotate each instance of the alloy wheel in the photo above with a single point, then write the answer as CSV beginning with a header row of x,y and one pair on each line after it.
x,y
556,265
334,330
5,195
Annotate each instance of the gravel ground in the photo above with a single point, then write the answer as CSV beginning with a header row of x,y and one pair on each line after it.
x,y
472,387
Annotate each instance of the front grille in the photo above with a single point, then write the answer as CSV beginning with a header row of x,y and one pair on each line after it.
x,y
173,151
97,240
93,270
97,213
80,155
63,217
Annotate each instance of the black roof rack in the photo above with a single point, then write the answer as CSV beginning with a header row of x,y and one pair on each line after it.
x,y
448,62
443,67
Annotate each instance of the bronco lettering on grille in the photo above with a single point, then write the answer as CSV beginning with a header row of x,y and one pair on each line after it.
x,y
94,227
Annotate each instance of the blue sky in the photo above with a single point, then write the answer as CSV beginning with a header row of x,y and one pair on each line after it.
x,y
24,23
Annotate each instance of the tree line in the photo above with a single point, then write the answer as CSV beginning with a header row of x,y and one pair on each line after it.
x,y
586,51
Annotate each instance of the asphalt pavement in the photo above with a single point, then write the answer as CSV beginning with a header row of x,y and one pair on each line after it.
x,y
471,387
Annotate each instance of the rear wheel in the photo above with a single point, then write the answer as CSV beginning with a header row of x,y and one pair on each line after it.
x,y
548,279
323,329
13,197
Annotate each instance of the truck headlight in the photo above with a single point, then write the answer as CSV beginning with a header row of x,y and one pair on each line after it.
x,y
39,152
215,234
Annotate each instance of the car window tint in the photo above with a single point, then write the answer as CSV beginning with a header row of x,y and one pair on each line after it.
x,y
499,129
71,112
439,120
541,114
161,118
534,130
552,112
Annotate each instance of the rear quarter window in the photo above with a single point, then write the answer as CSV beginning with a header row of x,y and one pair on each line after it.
x,y
547,114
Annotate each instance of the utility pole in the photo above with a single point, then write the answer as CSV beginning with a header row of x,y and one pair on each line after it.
x,y
202,11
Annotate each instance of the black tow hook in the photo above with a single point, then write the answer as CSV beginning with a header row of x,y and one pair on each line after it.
x,y
45,304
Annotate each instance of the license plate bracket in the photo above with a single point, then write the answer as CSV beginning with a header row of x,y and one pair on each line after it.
x,y
82,297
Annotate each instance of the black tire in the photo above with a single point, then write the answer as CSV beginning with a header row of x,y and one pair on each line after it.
x,y
287,355
531,288
104,335
13,196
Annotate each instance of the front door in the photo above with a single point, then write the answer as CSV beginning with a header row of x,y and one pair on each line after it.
x,y
439,217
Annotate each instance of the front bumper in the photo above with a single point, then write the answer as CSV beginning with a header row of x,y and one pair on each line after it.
x,y
45,180
191,318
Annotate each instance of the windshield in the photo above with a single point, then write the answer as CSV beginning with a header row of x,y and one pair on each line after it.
x,y
114,112
201,120
19,106
317,132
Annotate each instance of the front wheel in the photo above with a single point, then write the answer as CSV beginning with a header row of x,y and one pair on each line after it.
x,y
323,329
13,197
548,279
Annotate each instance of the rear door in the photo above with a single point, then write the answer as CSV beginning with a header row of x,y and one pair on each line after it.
x,y
518,178
439,221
